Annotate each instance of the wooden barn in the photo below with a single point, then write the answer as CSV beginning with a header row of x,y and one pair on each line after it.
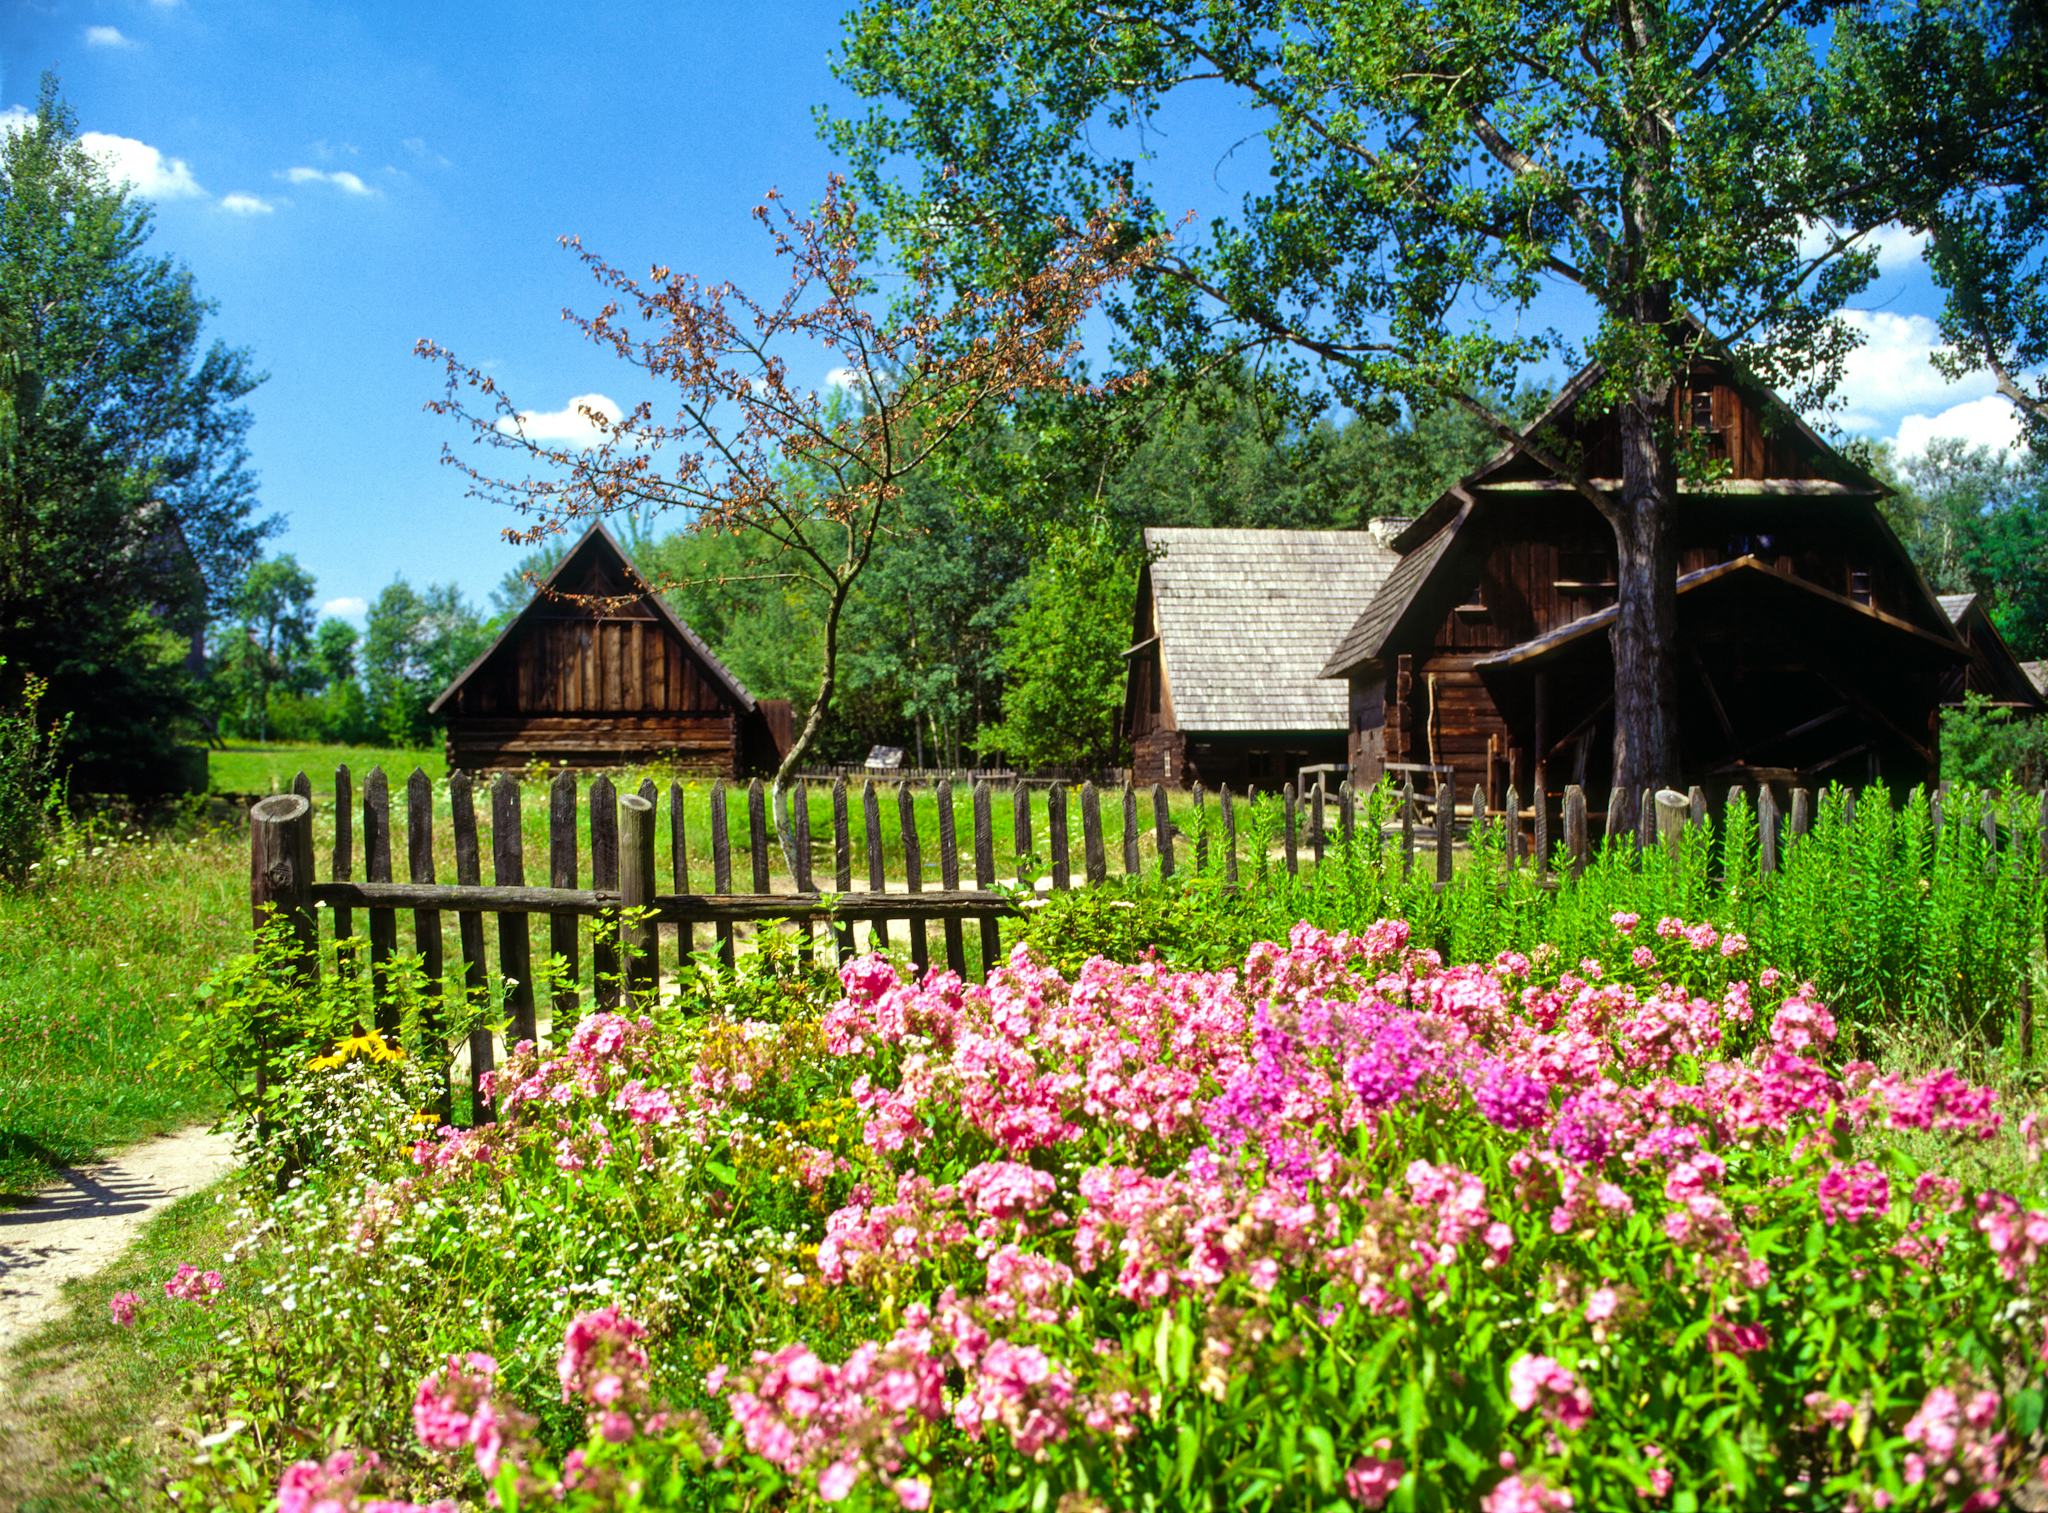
x,y
1230,631
597,671
1809,647
1992,670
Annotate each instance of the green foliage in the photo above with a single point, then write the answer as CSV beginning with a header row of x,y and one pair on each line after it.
x,y
125,499
1984,744
1976,521
416,643
31,784
1062,654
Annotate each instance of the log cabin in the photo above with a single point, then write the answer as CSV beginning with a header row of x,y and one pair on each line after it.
x,y
1809,646
1230,629
1992,671
597,671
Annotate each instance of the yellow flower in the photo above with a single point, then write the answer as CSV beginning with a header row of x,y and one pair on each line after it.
x,y
369,1044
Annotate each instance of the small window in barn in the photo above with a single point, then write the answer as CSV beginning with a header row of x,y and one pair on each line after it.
x,y
1703,421
1859,584
1584,572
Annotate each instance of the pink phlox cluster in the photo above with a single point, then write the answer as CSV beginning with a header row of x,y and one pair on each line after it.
x,y
1624,921
1802,1026
865,1241
801,1413
1851,1193
452,1154
1023,1390
1371,1479
604,1365
1025,1285
457,1408
1006,1190
122,1307
1942,1102
1526,1492
335,1486
1538,1382
1730,1337
1956,1448
191,1285
645,1105
2015,1236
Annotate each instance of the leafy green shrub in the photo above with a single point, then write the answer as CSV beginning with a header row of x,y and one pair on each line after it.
x,y
1986,745
31,783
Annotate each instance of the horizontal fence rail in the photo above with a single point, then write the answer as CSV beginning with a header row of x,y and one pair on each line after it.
x,y
599,864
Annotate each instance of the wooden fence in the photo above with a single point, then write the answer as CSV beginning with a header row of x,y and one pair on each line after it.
x,y
619,885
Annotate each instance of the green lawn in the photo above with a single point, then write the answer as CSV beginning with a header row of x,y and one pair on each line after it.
x,y
270,769
93,963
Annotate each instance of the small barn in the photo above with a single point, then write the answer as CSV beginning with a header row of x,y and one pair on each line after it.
x,y
597,671
1230,630
1809,646
1992,671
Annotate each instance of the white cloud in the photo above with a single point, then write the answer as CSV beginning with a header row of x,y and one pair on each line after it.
x,y
568,426
145,169
417,149
843,378
347,607
241,202
108,36
1988,421
1896,246
1892,372
341,179
15,118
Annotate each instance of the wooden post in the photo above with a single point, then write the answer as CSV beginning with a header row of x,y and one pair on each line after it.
x,y
1766,829
1056,836
1444,806
281,876
1020,825
1511,818
913,875
1094,861
842,864
757,834
1162,829
653,967
1315,822
679,868
1578,845
1226,812
383,922
1293,843
1672,810
564,928
605,965
1617,816
1802,811
426,923
1480,807
1646,819
508,867
1407,827
800,860
1539,833
636,896
878,873
1201,828
949,876
1347,814
1696,805
1131,862
721,866
985,877
344,869
469,928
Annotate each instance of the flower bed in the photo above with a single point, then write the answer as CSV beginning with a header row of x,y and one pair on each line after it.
x,y
1348,1227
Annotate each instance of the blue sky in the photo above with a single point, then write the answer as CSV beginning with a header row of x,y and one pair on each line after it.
x,y
347,178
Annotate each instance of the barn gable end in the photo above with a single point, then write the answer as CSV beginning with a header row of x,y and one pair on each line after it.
x,y
597,671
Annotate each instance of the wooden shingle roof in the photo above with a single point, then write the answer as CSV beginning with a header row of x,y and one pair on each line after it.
x,y
1367,636
1246,617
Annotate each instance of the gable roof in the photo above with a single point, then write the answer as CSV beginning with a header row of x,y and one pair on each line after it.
x,y
598,547
1244,618
1368,634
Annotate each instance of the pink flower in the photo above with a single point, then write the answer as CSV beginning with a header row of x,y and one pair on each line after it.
x,y
192,1285
1624,921
123,1306
335,1486
1372,1479
1601,1303
915,1495
1851,1194
1537,1381
445,1406
1526,1493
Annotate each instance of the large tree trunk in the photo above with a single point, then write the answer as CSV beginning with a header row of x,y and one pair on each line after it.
x,y
1645,630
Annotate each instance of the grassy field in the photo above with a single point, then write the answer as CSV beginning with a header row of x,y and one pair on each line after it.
x,y
270,769
92,963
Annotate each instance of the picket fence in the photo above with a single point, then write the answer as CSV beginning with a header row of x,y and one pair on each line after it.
x,y
623,892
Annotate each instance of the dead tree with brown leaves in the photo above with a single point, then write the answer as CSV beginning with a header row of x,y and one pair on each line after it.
x,y
750,446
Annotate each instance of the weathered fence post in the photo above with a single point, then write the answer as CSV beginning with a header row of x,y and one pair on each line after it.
x,y
1802,812
1617,816
1479,807
1293,843
800,861
1201,828
949,875
1131,860
679,864
1020,826
281,876
469,928
344,868
1673,809
1347,814
426,923
1162,829
878,873
913,876
1407,827
636,900
563,928
508,868
985,877
383,922
1539,832
1578,846
1696,805
1766,829
1094,861
842,864
604,877
721,862
1511,820
1646,820
1226,813
647,792
1315,823
757,834
1444,807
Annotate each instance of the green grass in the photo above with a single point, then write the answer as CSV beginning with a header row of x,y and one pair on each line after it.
x,y
93,963
92,1409
270,769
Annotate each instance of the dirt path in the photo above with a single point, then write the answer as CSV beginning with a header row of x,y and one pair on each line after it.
x,y
79,1225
